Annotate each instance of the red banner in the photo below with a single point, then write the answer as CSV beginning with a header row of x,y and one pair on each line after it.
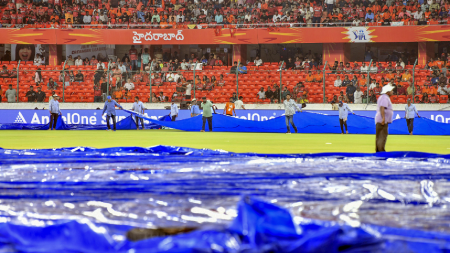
x,y
226,36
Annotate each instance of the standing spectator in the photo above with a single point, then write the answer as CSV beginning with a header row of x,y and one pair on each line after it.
x,y
258,61
350,91
40,95
133,57
330,5
239,104
79,61
261,94
11,94
38,77
188,90
31,95
317,16
145,57
54,112
97,93
383,117
358,95
104,88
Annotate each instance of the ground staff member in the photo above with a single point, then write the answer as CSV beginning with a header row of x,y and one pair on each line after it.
x,y
230,108
173,111
343,114
54,112
138,107
110,109
410,114
289,110
194,108
383,117
207,114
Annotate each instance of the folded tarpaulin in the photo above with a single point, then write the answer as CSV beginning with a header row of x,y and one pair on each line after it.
x,y
306,122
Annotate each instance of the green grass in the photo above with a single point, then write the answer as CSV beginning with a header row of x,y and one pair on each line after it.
x,y
236,142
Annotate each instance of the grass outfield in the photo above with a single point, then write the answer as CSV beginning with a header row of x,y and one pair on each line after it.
x,y
236,142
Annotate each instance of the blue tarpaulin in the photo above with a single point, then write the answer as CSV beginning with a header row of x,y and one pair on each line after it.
x,y
306,122
82,199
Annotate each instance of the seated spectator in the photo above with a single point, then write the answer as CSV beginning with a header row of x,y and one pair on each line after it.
x,y
233,68
261,94
346,81
442,78
290,64
52,85
86,62
406,77
338,82
242,69
100,65
298,63
310,77
69,61
258,61
4,73
376,90
170,77
79,61
129,85
433,99
138,77
126,94
161,97
221,82
157,81
79,77
410,89
401,90
364,68
444,89
118,94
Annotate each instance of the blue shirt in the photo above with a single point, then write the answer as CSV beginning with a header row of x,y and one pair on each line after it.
x,y
173,110
138,107
195,110
141,16
434,80
219,19
110,107
243,70
54,107
370,16
343,111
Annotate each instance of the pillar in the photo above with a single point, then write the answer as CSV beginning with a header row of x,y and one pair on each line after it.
x,y
425,52
336,52
239,53
54,55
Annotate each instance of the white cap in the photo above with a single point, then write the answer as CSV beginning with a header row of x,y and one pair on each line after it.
x,y
387,88
54,95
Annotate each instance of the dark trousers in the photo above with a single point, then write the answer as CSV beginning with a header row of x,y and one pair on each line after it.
x,y
137,119
351,98
290,118
316,21
410,124
330,8
97,99
209,123
174,117
343,123
113,119
381,137
53,119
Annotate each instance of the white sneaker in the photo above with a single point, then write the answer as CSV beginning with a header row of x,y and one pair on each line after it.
x,y
288,133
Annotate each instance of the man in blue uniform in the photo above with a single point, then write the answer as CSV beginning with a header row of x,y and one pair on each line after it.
x,y
110,109
138,107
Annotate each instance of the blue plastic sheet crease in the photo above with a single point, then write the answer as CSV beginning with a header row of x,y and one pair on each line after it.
x,y
83,199
306,122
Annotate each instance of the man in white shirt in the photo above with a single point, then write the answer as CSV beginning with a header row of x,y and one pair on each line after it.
x,y
338,82
79,61
87,19
138,107
188,90
358,95
261,93
122,68
364,68
196,66
184,65
173,111
170,77
100,64
410,114
239,104
177,76
258,61
343,114
180,16
373,84
275,17
129,85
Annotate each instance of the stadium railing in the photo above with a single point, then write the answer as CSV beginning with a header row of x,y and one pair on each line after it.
x,y
155,83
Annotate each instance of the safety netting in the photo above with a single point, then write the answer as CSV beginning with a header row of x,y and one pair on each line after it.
x,y
306,122
88,200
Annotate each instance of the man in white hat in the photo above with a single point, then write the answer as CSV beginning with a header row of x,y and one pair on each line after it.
x,y
194,108
54,111
383,117
410,114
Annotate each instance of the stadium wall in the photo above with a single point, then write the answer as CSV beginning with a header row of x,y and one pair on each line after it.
x,y
87,113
